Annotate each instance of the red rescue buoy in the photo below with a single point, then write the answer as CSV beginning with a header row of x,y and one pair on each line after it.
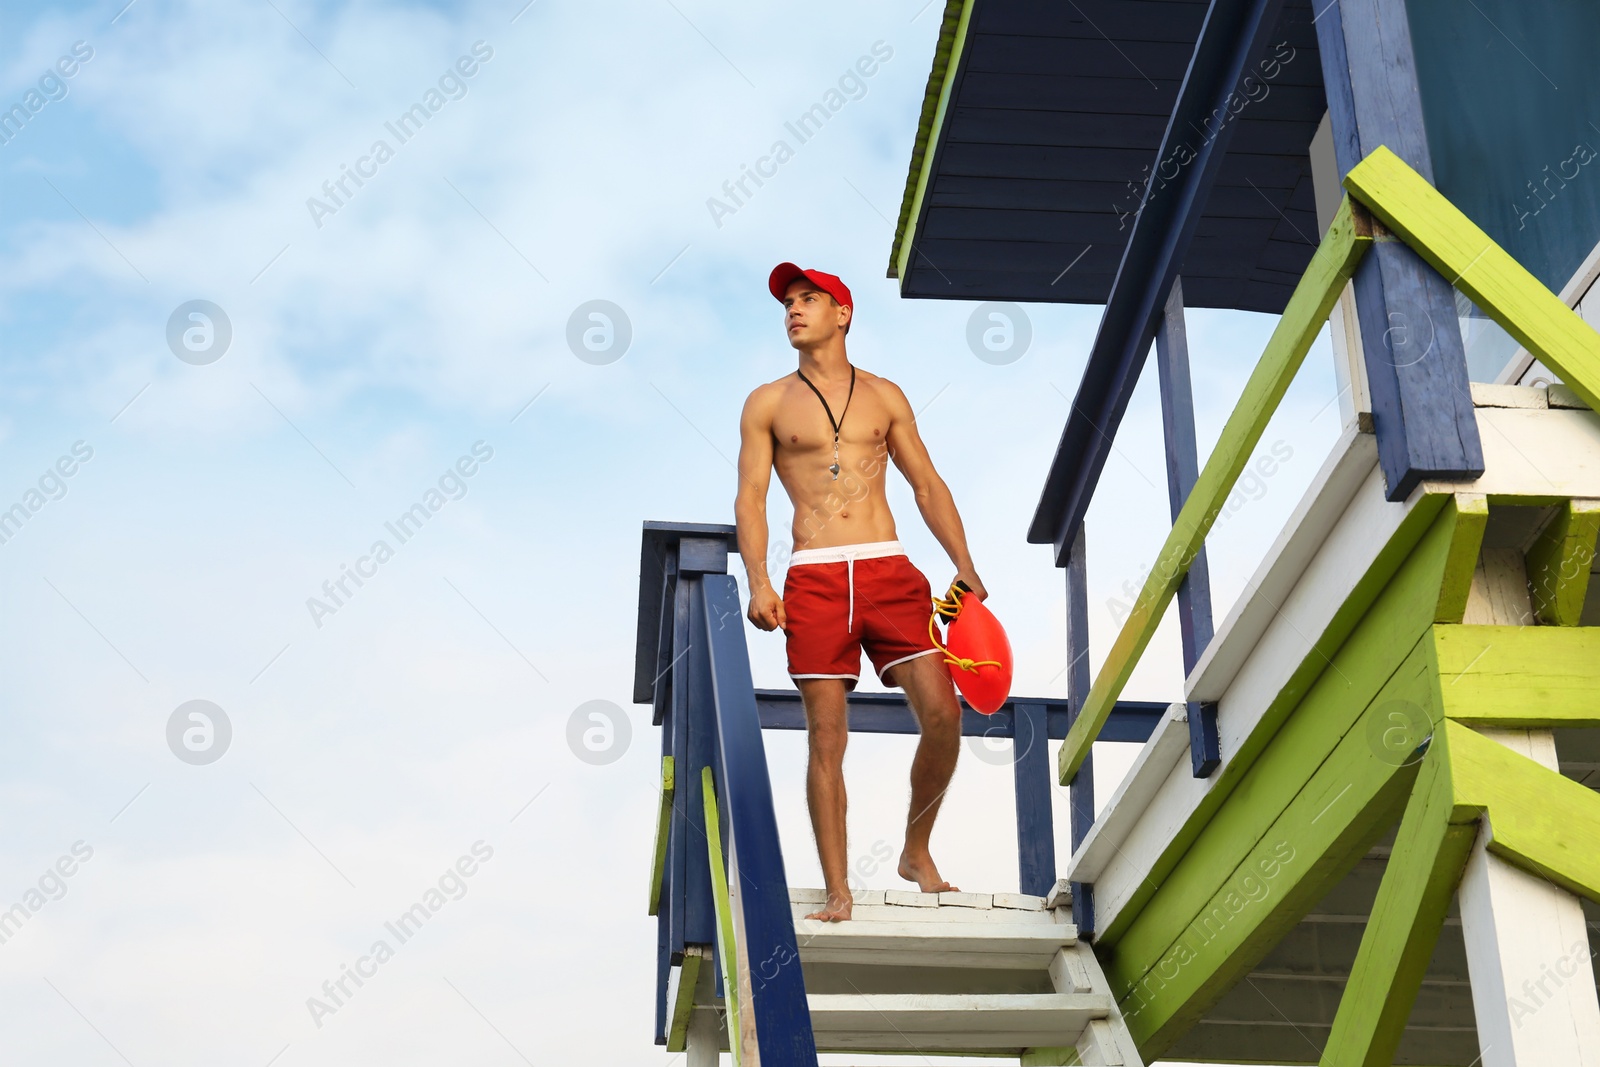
x,y
977,650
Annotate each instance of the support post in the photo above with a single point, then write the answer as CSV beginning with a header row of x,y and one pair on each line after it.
x,y
1533,990
676,890
663,974
1035,779
669,910
705,1039
1559,561
1411,341
1235,36
774,1016
1183,470
1082,788
681,691
699,920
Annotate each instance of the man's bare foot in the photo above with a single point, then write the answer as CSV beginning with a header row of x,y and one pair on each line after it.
x,y
836,911
922,871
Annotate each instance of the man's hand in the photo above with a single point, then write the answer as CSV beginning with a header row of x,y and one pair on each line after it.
x,y
973,582
766,610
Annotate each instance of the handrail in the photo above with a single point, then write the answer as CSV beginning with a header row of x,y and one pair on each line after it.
x,y
1457,248
727,948
658,864
888,713
1029,722
722,891
1386,188
1335,260
770,986
693,666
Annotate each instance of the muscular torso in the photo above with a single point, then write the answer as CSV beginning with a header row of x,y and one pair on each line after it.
x,y
853,508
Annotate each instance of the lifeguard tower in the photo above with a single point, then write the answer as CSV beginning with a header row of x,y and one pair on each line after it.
x,y
1366,831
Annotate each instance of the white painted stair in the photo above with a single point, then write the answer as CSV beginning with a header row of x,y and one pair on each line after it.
x,y
996,974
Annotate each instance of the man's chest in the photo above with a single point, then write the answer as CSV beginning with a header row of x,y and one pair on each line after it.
x,y
802,424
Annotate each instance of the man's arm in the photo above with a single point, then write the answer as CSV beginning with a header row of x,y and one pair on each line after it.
x,y
750,508
938,507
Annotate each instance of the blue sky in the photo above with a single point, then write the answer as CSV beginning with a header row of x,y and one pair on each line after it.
x,y
369,354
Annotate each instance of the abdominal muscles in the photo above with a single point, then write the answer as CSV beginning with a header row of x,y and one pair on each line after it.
x,y
848,510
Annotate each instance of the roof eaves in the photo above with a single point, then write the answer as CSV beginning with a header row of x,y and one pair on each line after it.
x,y
956,13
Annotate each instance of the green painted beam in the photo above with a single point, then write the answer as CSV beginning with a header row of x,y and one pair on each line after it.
x,y
1397,594
658,868
1519,677
1539,820
1318,837
1414,897
1559,562
1474,264
727,947
1317,728
1335,260
1216,846
946,65
682,1007
1472,514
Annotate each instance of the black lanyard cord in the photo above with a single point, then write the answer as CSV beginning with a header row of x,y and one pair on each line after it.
x,y
848,397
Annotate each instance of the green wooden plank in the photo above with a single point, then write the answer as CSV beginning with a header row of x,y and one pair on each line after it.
x,y
1472,513
1050,1057
658,868
1540,820
683,1006
1519,677
928,146
1316,729
1320,835
1298,327
1414,897
1396,592
727,947
1559,561
1473,263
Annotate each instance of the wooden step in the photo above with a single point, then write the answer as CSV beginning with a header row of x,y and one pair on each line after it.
x,y
910,898
1002,1023
890,942
875,905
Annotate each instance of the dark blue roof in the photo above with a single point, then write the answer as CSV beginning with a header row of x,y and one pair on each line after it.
x,y
1054,116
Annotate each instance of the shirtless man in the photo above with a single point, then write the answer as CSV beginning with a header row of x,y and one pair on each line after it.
x,y
828,430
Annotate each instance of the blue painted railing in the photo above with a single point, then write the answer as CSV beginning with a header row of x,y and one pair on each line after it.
x,y
1029,722
777,989
692,666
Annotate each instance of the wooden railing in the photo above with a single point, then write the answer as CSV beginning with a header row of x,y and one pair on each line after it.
x,y
717,883
1383,193
718,887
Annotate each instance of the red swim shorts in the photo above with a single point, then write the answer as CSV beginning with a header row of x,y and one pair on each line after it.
x,y
841,600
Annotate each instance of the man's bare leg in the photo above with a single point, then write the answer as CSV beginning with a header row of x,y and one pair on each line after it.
x,y
932,697
827,726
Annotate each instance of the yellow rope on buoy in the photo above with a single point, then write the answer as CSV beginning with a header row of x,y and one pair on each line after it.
x,y
950,607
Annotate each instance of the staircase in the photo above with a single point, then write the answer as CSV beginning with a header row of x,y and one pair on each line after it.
x,y
973,973
917,974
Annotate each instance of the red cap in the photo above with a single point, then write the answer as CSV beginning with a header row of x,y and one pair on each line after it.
x,y
785,273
